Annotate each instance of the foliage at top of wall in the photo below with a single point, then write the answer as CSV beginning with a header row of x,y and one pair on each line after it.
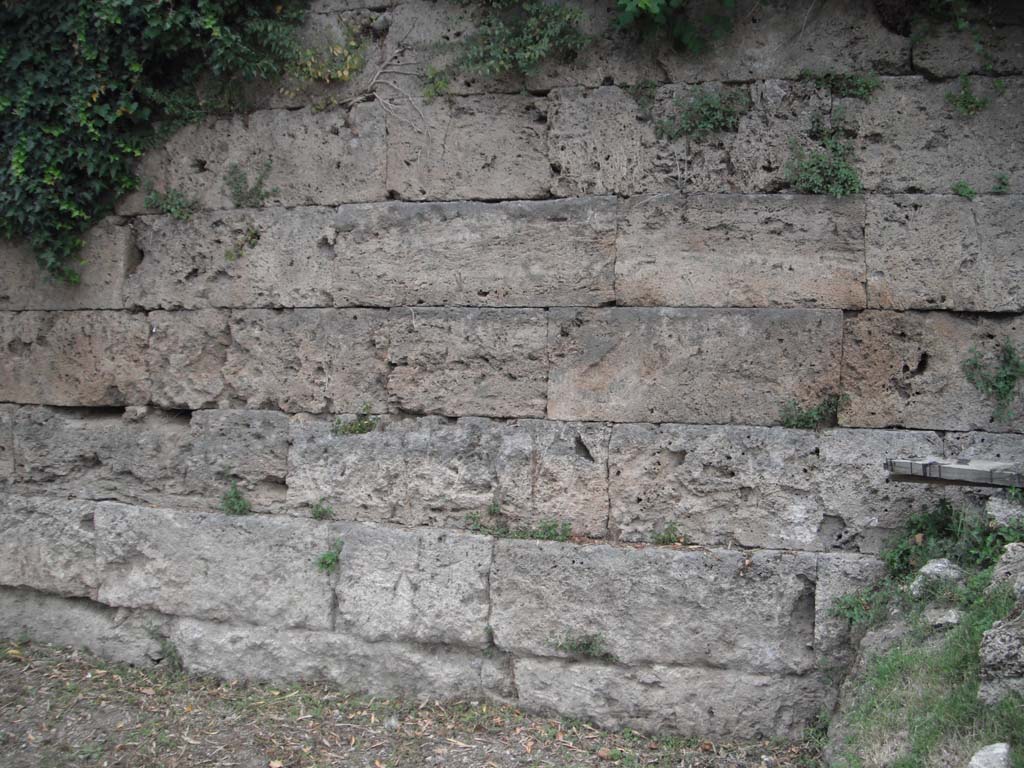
x,y
675,20
83,83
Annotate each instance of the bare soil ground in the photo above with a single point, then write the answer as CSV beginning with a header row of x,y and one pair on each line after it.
x,y
63,709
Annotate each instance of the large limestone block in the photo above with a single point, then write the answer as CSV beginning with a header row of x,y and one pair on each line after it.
x,y
468,148
690,365
468,362
432,471
258,570
693,701
73,358
544,253
106,257
48,544
942,51
186,357
130,637
317,158
839,574
763,486
1002,660
944,252
910,139
422,585
906,369
260,653
742,251
751,611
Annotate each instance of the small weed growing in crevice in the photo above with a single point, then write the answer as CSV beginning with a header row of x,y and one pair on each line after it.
x,y
585,646
321,511
333,61
824,414
999,380
362,424
170,656
173,202
546,530
438,83
844,85
964,190
705,113
1002,185
667,535
328,561
248,239
644,94
828,170
236,183
964,101
234,503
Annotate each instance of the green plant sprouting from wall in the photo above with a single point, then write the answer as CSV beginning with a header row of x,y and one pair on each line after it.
x,y
965,101
173,202
361,425
964,190
247,239
678,21
827,170
824,414
242,193
845,85
495,525
587,646
320,511
998,380
328,561
234,503
706,112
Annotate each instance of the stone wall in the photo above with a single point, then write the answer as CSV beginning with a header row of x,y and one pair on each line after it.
x,y
553,315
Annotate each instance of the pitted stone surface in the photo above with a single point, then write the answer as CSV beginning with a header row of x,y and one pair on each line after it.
x,y
468,362
906,369
186,356
429,471
1010,570
697,701
750,611
106,257
910,139
421,585
73,358
470,148
7,414
1002,660
131,637
690,365
741,251
259,570
260,653
840,574
764,486
48,544
981,49
317,158
944,252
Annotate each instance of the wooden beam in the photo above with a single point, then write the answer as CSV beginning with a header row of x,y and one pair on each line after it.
x,y
956,471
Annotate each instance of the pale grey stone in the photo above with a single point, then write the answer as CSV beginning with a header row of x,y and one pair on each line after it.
x,y
1003,511
130,637
693,701
910,139
939,571
73,358
259,569
423,585
7,414
741,251
942,618
1002,660
992,756
468,147
186,357
764,486
751,611
261,653
106,257
429,471
690,365
1010,570
317,158
48,544
906,369
839,574
468,362
944,252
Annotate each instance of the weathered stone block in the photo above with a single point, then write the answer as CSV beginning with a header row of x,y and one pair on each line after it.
x,y
470,147
767,487
906,369
7,413
107,256
317,158
261,653
741,251
473,362
186,357
751,611
690,365
423,585
910,139
429,471
694,701
259,570
941,51
73,358
1002,661
130,637
47,544
839,574
943,252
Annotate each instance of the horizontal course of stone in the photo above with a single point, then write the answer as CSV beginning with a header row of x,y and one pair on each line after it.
x,y
553,316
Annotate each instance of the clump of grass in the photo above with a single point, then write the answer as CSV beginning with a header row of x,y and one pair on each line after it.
x,y
362,424
845,85
328,561
234,503
585,646
998,380
321,511
1002,185
667,535
965,101
243,194
963,189
546,530
173,202
705,113
824,414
